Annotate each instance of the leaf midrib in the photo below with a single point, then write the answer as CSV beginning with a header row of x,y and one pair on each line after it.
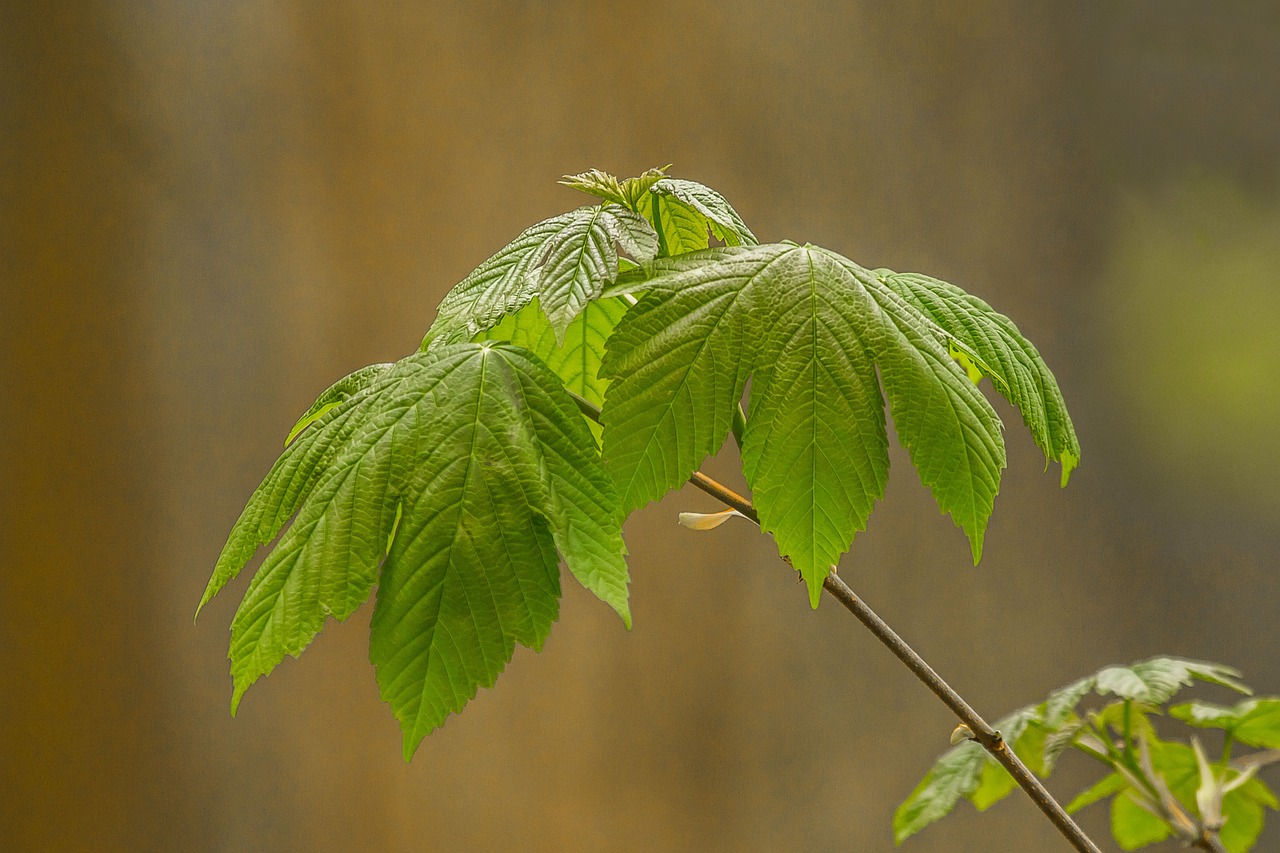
x,y
704,342
430,631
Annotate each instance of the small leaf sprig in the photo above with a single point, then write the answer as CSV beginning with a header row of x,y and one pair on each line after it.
x,y
1158,788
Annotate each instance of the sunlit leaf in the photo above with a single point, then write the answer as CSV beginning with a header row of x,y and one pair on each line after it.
x,y
810,328
681,229
501,285
719,215
476,466
577,360
582,259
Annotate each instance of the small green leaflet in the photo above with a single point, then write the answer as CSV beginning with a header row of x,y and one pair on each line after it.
x,y
1158,680
953,776
501,285
1132,825
565,261
1107,786
1246,810
681,229
577,360
480,464
964,772
685,214
582,259
1061,704
1255,722
810,327
995,782
989,343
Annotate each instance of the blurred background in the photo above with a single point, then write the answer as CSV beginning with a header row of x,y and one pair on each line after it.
x,y
210,211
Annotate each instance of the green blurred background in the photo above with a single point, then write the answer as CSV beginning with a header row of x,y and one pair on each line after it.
x,y
210,211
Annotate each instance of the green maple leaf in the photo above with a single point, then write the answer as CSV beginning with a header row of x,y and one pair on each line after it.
x,y
451,478
810,328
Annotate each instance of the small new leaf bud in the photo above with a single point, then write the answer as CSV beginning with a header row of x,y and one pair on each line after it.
x,y
707,520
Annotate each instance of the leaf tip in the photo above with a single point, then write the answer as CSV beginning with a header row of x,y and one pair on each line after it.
x,y
815,593
208,595
975,546
623,609
1069,461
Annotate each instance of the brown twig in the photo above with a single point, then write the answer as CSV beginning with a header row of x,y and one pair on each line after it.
x,y
989,738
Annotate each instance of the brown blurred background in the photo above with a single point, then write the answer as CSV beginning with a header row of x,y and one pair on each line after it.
x,y
208,212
